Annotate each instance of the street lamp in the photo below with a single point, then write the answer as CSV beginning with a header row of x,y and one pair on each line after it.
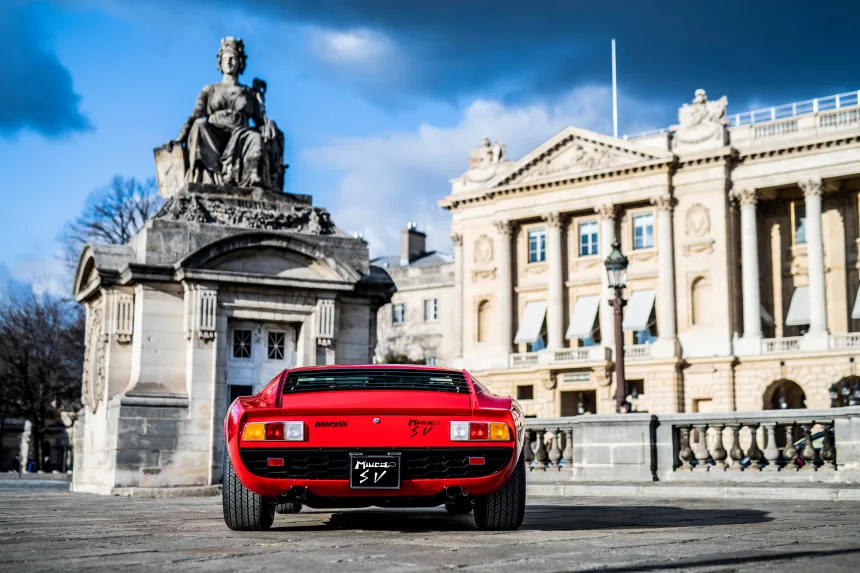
x,y
616,271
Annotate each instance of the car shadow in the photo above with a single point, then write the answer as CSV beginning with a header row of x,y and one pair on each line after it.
x,y
537,518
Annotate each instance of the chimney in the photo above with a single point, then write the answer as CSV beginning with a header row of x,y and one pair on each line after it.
x,y
412,243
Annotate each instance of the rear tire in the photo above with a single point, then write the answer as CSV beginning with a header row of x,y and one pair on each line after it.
x,y
504,509
244,510
289,507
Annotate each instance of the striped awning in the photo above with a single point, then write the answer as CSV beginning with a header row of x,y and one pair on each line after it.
x,y
638,310
798,310
532,321
584,314
856,312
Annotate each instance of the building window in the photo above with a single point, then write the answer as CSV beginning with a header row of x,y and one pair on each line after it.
x,y
398,314
430,310
241,344
643,231
276,346
237,390
649,335
537,245
798,222
431,361
526,392
587,238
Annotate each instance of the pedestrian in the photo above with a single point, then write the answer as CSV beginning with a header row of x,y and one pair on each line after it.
x,y
31,466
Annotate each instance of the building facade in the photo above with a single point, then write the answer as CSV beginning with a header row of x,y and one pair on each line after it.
x,y
417,324
742,236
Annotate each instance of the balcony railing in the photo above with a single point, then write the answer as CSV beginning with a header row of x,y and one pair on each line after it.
x,y
550,357
781,345
637,352
840,341
775,445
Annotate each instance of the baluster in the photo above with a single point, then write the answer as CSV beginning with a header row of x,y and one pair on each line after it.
x,y
528,450
735,452
771,452
753,452
790,452
702,454
828,452
685,454
555,449
567,452
808,452
541,456
719,452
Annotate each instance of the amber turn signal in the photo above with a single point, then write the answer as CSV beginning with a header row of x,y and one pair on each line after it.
x,y
254,432
499,431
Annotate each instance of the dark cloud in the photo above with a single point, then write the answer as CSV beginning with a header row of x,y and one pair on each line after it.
x,y
763,50
36,91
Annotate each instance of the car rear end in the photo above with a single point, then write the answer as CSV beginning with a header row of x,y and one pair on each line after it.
x,y
375,435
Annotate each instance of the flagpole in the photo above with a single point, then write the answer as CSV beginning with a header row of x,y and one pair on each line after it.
x,y
614,95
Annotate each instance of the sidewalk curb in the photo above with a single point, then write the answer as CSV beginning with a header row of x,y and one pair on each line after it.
x,y
684,491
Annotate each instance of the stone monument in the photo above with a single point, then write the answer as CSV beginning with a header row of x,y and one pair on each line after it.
x,y
702,124
232,281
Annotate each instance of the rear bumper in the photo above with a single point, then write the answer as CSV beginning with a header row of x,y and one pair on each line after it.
x,y
339,488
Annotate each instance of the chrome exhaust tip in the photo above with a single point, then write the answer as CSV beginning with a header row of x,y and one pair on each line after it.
x,y
299,492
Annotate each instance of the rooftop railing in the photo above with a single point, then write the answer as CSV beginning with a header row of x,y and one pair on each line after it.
x,y
774,113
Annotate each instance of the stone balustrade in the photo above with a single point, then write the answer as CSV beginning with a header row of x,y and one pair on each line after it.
x,y
550,357
774,445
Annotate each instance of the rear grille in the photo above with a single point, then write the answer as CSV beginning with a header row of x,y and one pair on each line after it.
x,y
375,379
425,463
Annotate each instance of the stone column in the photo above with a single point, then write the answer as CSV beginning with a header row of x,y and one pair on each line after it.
x,y
750,342
816,338
506,286
555,287
667,341
457,316
607,213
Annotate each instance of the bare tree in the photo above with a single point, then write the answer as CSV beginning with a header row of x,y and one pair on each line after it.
x,y
41,359
112,215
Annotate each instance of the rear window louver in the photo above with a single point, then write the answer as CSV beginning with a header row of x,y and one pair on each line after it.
x,y
375,379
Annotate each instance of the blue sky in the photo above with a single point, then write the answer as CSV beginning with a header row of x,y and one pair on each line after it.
x,y
380,100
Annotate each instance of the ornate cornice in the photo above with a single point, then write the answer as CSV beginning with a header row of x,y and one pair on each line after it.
x,y
553,219
606,211
505,228
745,196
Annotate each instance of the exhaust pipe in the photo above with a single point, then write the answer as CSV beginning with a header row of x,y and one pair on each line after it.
x,y
453,491
299,492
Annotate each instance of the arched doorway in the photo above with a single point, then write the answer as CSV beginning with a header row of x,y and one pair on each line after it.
x,y
784,395
846,392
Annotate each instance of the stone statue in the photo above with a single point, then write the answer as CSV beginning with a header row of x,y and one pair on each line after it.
x,y
701,123
487,154
218,143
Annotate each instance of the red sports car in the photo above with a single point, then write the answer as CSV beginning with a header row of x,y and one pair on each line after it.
x,y
381,435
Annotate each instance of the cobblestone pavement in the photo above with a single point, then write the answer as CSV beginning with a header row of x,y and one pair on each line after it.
x,y
45,529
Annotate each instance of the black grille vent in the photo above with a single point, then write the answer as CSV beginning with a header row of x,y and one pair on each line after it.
x,y
375,379
426,463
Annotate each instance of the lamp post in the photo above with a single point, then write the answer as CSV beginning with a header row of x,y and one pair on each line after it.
x,y
616,270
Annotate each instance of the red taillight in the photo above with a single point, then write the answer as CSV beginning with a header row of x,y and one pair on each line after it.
x,y
275,431
479,431
275,462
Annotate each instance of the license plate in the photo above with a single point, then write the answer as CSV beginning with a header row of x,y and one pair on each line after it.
x,y
374,472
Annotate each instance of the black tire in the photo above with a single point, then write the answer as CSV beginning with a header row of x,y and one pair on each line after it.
x,y
504,509
289,507
244,510
460,507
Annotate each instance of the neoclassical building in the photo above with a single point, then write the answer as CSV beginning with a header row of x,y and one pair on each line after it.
x,y
418,322
742,236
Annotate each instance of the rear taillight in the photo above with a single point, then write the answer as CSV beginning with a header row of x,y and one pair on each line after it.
x,y
480,432
274,432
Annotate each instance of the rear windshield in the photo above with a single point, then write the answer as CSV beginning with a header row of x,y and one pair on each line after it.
x,y
375,379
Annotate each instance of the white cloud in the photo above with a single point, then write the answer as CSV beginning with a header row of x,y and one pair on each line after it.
x,y
350,47
47,276
393,178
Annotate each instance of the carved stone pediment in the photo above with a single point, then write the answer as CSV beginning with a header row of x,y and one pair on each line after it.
x,y
580,156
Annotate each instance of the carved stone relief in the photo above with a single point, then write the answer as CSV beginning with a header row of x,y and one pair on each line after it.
x,y
701,123
483,250
579,157
698,228
94,359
